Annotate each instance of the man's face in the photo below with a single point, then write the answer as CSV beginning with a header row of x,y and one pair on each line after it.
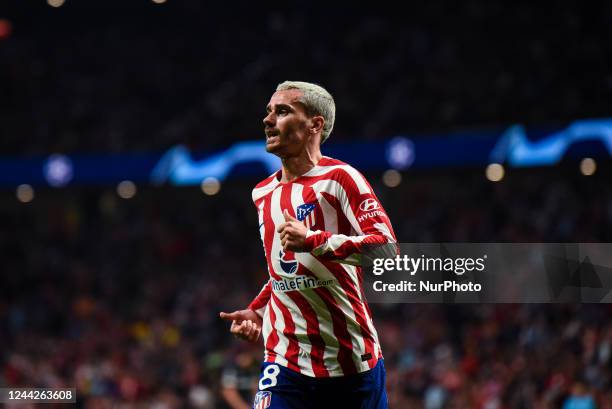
x,y
286,124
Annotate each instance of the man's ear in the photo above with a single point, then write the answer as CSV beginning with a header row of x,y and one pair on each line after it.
x,y
317,123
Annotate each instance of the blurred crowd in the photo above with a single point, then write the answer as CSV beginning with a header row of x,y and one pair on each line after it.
x,y
108,76
120,298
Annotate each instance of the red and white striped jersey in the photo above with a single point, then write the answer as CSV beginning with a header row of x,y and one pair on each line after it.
x,y
315,316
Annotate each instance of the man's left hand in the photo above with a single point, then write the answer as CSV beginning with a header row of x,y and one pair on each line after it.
x,y
292,233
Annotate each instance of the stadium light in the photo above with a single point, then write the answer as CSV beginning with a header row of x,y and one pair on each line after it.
x,y
495,172
588,166
211,186
56,3
25,193
126,189
392,178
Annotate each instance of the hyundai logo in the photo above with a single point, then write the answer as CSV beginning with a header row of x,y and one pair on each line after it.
x,y
368,205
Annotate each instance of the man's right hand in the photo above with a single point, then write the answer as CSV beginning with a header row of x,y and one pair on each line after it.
x,y
246,324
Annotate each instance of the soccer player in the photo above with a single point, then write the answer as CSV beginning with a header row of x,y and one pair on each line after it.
x,y
316,215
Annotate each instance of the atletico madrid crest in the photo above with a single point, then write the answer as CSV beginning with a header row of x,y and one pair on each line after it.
x,y
262,400
305,214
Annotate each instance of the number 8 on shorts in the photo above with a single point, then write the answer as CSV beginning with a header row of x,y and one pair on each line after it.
x,y
268,379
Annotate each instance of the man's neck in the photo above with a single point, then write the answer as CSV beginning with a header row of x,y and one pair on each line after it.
x,y
296,166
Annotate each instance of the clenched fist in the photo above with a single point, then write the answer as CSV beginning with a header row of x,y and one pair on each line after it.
x,y
292,233
246,324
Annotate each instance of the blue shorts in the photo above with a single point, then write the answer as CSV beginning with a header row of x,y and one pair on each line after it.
x,y
282,388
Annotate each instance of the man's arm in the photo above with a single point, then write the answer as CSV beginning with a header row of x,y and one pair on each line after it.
x,y
258,305
362,209
247,324
233,399
229,390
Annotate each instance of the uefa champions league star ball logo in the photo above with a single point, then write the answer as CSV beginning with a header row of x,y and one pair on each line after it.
x,y
58,170
400,153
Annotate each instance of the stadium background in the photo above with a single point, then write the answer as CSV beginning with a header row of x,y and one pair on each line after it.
x,y
119,297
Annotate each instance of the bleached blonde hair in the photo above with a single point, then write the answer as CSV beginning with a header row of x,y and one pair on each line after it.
x,y
317,101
